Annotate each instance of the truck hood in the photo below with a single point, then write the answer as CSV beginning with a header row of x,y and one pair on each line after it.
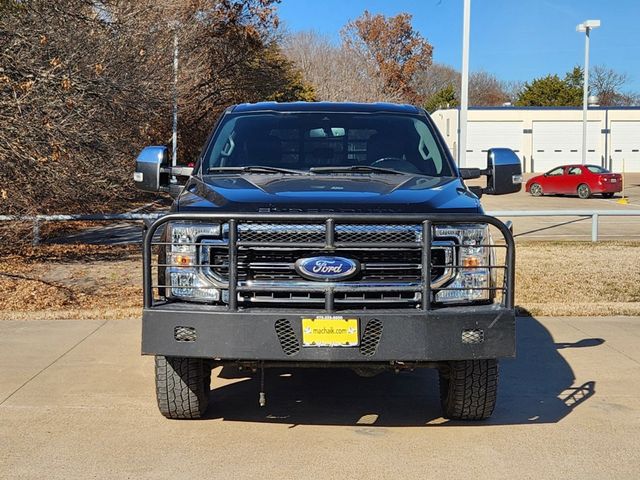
x,y
352,193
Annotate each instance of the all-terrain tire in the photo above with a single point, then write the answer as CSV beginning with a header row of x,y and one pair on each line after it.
x,y
468,389
182,386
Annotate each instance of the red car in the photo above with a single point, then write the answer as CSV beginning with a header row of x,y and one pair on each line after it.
x,y
581,180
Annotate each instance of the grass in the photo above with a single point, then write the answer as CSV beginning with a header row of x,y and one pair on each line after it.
x,y
104,282
578,278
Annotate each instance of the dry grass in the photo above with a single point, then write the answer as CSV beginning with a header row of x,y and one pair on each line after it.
x,y
578,278
70,278
104,282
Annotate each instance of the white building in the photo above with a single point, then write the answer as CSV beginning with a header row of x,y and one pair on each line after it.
x,y
545,137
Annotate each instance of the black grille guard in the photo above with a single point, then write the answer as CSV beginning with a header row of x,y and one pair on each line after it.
x,y
329,221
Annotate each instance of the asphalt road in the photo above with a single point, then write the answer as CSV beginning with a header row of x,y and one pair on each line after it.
x,y
77,401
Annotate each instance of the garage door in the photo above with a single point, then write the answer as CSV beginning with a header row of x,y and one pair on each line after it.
x,y
482,136
560,143
625,145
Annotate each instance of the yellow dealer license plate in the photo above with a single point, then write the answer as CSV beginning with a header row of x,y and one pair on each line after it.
x,y
330,331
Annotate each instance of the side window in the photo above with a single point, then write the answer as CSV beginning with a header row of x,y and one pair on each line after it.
x,y
225,147
575,171
555,172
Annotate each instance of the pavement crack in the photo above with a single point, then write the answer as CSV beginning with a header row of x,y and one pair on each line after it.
x,y
73,347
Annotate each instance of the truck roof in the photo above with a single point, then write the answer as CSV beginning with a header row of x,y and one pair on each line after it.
x,y
347,107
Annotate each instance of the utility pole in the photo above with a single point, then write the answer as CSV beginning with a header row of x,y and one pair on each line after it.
x,y
464,93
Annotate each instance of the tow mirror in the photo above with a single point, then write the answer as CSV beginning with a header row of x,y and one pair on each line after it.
x,y
504,172
153,172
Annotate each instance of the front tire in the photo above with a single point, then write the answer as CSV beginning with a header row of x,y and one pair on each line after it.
x,y
584,191
535,190
468,389
182,386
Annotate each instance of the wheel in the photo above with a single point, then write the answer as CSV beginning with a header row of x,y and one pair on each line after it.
x,y
536,190
468,389
182,386
608,195
584,191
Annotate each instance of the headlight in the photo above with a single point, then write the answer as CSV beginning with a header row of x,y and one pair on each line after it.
x,y
473,282
186,280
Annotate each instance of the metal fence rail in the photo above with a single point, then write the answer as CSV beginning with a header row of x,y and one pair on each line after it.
x,y
37,220
594,214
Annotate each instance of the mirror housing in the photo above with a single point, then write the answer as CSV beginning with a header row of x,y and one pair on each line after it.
x,y
149,175
153,172
504,172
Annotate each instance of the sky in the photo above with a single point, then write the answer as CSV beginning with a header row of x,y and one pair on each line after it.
x,y
513,39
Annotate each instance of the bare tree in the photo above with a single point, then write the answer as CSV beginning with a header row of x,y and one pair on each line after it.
x,y
392,47
485,90
607,84
436,83
435,78
512,89
84,84
378,60
336,73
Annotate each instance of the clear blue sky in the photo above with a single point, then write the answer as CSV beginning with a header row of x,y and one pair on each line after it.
x,y
514,39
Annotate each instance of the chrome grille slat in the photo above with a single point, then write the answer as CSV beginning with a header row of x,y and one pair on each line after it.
x,y
266,270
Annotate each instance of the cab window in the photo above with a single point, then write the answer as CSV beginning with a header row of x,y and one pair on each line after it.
x,y
305,140
555,172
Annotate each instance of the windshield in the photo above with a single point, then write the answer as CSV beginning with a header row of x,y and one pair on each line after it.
x,y
326,143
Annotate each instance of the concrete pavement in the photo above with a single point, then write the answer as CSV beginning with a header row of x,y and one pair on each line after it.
x,y
77,401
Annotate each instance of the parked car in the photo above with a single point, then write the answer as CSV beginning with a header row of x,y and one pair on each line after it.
x,y
581,180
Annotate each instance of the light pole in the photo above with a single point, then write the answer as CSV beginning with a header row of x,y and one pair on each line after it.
x,y
586,27
174,137
464,88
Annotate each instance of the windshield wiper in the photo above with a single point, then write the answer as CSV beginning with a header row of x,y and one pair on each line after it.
x,y
356,169
254,169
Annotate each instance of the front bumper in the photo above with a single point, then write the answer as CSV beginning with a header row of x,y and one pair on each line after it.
x,y
402,335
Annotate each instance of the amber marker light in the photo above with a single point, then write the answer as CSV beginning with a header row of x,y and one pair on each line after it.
x,y
183,260
471,262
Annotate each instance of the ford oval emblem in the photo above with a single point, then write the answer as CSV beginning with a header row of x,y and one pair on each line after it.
x,y
327,269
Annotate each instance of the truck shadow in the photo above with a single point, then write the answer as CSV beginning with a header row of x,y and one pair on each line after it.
x,y
536,387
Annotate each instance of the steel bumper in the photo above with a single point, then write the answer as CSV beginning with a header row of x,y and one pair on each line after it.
x,y
250,334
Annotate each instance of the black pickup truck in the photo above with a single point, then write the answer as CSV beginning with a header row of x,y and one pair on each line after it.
x,y
328,234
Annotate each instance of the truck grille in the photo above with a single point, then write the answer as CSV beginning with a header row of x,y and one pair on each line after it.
x,y
314,233
275,260
267,273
